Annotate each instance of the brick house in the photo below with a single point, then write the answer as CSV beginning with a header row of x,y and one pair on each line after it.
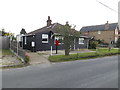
x,y
107,33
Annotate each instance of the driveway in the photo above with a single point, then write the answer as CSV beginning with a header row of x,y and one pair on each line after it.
x,y
41,57
93,73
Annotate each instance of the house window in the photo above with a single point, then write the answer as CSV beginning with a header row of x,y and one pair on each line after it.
x,y
25,40
81,40
59,38
99,32
44,38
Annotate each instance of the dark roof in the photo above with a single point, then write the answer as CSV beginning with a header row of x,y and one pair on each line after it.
x,y
46,28
53,27
111,26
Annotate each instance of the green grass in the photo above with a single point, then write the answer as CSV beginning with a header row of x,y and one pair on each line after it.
x,y
5,52
82,56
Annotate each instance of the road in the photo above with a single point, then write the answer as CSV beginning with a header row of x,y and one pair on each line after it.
x,y
93,73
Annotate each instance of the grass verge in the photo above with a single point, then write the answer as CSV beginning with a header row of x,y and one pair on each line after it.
x,y
82,56
5,52
14,66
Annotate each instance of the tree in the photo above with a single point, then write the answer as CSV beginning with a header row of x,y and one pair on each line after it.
x,y
68,35
23,31
3,32
7,34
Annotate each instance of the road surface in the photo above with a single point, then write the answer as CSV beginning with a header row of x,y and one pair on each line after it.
x,y
93,73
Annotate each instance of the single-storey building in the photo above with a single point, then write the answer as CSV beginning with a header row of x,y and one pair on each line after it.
x,y
44,38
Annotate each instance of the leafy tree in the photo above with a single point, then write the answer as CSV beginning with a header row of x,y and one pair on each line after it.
x,y
3,32
93,44
9,35
68,35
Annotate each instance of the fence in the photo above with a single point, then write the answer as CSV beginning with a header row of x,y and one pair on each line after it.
x,y
4,42
15,47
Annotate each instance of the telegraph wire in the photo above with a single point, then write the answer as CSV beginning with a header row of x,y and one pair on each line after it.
x,y
107,6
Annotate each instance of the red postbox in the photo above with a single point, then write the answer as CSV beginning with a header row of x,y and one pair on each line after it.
x,y
56,42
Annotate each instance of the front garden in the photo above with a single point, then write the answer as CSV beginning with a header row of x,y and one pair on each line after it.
x,y
100,52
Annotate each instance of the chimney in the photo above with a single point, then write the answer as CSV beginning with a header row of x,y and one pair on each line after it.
x,y
49,21
107,26
67,23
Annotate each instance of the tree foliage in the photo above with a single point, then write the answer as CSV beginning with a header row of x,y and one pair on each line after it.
x,y
4,33
68,36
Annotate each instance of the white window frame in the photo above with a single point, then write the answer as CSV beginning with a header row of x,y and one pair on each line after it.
x,y
59,37
99,32
45,36
81,40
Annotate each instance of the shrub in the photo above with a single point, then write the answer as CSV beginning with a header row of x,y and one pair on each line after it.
x,y
93,44
27,59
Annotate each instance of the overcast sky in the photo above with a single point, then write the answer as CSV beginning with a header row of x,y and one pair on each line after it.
x,y
33,14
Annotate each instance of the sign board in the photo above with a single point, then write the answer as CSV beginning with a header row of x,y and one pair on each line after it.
x,y
33,44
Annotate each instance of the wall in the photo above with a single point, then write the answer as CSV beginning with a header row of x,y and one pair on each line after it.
x,y
4,42
39,46
107,35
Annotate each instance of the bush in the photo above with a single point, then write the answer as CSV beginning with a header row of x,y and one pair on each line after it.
x,y
27,59
93,44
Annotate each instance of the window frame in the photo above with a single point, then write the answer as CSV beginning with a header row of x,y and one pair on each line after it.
x,y
99,32
58,37
81,39
44,36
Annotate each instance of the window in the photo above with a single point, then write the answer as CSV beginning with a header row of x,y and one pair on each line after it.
x,y
59,38
81,40
99,32
44,38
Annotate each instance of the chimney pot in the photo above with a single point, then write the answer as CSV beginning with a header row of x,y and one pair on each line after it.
x,y
107,26
107,22
49,21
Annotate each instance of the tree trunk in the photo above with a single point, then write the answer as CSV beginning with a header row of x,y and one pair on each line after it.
x,y
67,52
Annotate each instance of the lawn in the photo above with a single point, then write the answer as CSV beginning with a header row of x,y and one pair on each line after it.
x,y
81,56
5,52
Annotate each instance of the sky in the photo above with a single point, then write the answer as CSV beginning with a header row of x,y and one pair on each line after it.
x,y
33,14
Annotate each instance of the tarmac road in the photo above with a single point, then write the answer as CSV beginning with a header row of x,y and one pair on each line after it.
x,y
93,73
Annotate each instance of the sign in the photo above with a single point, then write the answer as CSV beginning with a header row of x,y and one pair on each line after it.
x,y
33,44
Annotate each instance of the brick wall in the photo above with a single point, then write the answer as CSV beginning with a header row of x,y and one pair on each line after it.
x,y
106,35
